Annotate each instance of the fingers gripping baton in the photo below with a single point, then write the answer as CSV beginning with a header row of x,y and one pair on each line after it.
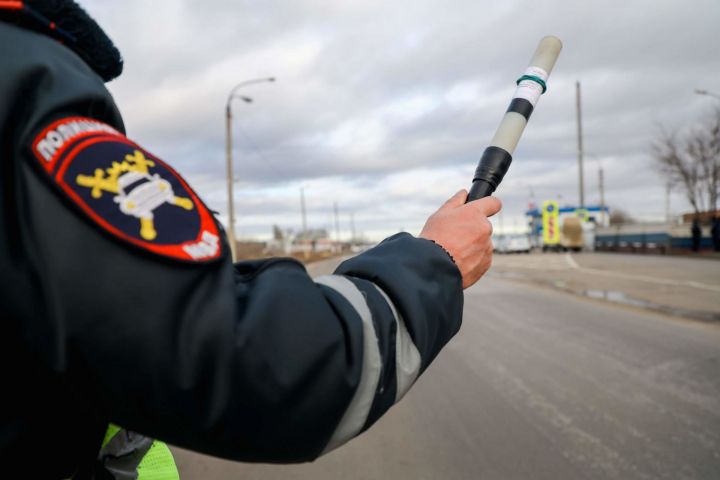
x,y
497,157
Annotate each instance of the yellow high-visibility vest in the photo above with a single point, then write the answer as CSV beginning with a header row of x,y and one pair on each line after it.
x,y
126,454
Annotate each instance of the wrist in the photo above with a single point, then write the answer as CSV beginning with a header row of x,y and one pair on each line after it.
x,y
442,248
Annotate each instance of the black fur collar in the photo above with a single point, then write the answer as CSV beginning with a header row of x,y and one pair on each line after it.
x,y
67,22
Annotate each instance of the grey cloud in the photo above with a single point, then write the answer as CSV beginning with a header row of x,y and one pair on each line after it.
x,y
345,68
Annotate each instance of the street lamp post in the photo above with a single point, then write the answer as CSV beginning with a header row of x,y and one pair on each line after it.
x,y
705,92
228,154
601,185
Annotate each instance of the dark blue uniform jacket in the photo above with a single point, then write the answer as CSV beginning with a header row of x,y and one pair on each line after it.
x,y
254,361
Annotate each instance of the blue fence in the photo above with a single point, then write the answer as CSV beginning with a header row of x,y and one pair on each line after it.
x,y
662,239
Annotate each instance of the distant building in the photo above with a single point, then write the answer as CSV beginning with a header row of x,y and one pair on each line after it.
x,y
703,217
311,234
655,237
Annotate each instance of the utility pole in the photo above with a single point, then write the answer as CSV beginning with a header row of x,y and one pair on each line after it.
x,y
302,210
580,144
601,181
337,224
352,228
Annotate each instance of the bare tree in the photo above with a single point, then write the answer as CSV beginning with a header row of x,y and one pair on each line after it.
x,y
690,160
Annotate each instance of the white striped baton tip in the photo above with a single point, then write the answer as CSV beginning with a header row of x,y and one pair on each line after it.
x,y
513,124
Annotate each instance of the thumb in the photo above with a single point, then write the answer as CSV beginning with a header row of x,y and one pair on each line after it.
x,y
488,206
456,200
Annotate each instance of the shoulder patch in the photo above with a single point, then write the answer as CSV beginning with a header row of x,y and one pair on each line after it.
x,y
126,190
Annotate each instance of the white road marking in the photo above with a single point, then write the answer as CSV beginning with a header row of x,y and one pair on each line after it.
x,y
571,261
643,278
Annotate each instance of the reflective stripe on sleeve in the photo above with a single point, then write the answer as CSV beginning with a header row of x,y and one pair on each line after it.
x,y
407,357
354,418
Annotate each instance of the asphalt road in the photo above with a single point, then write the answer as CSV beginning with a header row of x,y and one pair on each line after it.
x,y
539,384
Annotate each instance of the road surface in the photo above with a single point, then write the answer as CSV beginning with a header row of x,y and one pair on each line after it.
x,y
540,384
683,286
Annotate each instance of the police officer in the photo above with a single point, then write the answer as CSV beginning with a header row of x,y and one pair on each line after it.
x,y
120,302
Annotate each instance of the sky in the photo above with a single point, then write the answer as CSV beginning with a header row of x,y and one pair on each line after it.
x,y
385,107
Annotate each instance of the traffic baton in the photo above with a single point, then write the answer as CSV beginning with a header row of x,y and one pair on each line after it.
x,y
496,158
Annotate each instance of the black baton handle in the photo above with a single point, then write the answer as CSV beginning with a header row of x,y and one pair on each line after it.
x,y
493,166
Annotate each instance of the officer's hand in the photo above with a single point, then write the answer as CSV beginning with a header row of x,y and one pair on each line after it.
x,y
464,231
